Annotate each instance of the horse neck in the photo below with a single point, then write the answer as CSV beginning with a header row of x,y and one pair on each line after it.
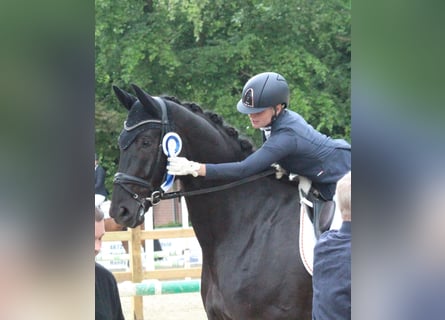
x,y
204,141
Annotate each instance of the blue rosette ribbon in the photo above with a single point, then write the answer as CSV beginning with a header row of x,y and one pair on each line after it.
x,y
171,145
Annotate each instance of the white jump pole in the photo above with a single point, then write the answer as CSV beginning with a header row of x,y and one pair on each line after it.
x,y
156,287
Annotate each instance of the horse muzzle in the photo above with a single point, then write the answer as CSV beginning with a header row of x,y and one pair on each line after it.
x,y
130,216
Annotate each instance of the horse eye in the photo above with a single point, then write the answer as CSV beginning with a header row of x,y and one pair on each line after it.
x,y
146,143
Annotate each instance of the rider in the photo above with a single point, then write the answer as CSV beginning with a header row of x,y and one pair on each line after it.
x,y
289,141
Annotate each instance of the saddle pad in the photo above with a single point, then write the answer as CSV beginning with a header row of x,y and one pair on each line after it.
x,y
307,240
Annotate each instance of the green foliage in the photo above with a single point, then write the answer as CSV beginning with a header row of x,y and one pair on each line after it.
x,y
204,51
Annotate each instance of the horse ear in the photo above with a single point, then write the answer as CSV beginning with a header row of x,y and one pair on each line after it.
x,y
124,97
148,101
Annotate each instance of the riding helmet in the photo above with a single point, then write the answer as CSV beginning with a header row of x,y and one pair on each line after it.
x,y
262,91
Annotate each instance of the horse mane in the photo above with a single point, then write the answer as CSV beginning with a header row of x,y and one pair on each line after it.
x,y
244,143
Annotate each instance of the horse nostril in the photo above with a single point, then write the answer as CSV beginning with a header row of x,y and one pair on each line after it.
x,y
123,212
123,216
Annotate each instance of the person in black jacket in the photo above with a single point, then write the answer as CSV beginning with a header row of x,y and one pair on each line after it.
x,y
331,279
108,303
100,192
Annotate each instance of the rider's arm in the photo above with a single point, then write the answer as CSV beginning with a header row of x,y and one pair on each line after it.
x,y
277,147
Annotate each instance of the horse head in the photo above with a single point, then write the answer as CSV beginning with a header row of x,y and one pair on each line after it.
x,y
140,156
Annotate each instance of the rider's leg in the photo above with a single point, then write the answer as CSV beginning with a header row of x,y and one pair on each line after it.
x,y
317,199
324,207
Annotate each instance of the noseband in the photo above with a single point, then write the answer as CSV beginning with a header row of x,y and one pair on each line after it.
x,y
123,179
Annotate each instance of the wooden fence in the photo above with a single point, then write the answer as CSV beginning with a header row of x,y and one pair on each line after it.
x,y
137,273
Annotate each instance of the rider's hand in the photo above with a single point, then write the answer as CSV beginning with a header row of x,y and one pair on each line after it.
x,y
180,166
280,172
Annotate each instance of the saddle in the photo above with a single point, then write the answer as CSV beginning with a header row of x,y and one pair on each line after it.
x,y
321,212
316,214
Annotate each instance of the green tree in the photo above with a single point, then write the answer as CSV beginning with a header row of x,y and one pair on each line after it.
x,y
204,51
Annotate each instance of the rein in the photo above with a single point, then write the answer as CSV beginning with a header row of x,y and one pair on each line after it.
x,y
157,196
171,195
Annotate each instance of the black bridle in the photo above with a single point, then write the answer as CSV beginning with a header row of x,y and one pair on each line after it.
x,y
123,179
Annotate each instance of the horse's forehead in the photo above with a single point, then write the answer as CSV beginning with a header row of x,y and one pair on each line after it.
x,y
137,114
127,137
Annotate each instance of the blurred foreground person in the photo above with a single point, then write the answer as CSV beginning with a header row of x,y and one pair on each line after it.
x,y
108,303
331,279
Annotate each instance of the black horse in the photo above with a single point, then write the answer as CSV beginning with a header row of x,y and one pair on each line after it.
x,y
248,233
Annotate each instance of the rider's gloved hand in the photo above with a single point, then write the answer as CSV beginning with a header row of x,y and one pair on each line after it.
x,y
180,166
280,172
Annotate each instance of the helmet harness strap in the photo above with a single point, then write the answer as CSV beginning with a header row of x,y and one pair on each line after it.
x,y
275,115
